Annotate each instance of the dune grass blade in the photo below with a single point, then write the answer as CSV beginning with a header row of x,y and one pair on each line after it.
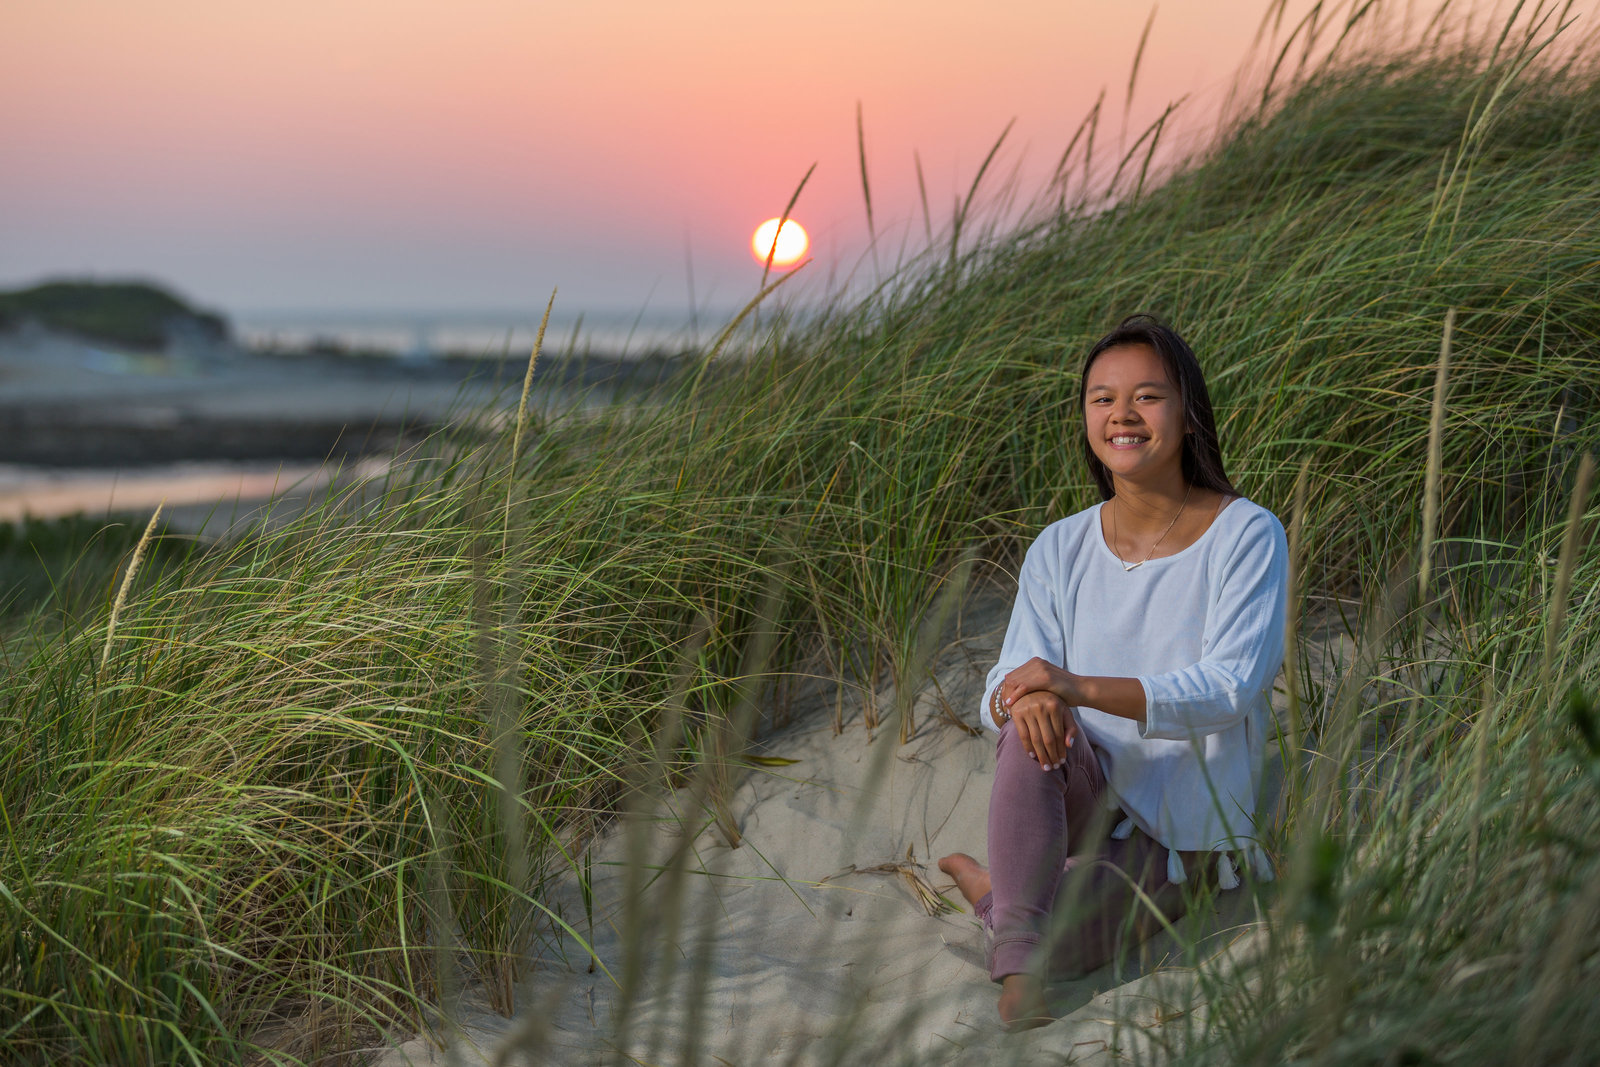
x,y
794,198
964,209
1133,70
522,413
866,187
922,195
1566,564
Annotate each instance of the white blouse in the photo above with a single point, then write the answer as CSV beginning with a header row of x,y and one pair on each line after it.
x,y
1203,632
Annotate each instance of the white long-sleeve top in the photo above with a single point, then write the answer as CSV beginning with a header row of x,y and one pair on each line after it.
x,y
1202,631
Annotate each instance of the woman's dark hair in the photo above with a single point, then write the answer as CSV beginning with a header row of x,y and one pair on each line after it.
x,y
1202,452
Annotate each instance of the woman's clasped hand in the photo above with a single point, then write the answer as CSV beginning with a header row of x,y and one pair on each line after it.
x,y
1038,696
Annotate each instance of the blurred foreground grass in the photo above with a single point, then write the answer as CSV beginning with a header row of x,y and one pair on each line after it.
x,y
311,774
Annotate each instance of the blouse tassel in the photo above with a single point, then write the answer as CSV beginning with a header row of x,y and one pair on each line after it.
x,y
1261,865
1227,874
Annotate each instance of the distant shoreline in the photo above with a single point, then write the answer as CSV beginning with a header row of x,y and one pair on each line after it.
x,y
67,402
98,435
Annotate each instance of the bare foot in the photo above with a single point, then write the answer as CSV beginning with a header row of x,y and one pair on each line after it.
x,y
972,877
1022,1003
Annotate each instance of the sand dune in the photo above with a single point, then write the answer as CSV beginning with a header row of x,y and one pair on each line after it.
x,y
810,943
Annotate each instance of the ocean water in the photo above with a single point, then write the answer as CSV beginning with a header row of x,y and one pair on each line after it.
x,y
424,335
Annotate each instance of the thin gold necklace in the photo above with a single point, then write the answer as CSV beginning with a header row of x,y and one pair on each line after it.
x,y
1117,536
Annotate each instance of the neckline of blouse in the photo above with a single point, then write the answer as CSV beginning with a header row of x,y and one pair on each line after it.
x,y
1100,536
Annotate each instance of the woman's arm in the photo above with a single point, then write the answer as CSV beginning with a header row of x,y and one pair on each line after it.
x,y
1035,629
1123,697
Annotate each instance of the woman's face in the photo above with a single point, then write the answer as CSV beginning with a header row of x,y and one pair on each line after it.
x,y
1133,414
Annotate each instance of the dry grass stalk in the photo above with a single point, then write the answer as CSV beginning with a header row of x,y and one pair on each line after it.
x,y
965,208
1430,493
910,871
127,583
922,191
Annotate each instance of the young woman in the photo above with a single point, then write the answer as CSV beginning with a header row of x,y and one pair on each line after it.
x,y
1132,693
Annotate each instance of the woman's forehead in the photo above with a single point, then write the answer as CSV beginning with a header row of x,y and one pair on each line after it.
x,y
1127,365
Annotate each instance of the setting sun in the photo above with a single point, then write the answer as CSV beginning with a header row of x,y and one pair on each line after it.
x,y
792,242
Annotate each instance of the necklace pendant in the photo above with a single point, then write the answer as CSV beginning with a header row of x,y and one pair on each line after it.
x,y
1126,566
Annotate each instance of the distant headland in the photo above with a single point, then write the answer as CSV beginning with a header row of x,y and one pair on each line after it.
x,y
138,315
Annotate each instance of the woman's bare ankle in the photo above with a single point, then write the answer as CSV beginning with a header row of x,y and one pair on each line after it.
x,y
972,877
1022,1004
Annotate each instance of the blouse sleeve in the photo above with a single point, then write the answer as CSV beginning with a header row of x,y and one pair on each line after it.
x,y
1035,627
1242,647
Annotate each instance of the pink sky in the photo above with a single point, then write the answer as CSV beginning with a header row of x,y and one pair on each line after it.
x,y
475,153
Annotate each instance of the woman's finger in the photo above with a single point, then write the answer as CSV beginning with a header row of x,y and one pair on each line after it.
x,y
1022,713
1046,732
1061,727
1025,736
1069,727
1058,749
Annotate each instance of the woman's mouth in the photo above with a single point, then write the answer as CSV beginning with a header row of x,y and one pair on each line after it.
x,y
1127,440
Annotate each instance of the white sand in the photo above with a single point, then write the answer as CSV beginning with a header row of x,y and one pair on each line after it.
x,y
795,950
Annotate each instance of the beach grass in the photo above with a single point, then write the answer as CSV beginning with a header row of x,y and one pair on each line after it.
x,y
316,781
57,570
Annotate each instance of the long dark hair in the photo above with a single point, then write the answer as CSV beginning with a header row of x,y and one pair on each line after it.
x,y
1202,452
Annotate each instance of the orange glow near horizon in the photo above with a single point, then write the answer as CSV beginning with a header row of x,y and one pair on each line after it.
x,y
376,153
787,235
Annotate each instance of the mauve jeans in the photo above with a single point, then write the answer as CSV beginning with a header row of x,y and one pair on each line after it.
x,y
1056,874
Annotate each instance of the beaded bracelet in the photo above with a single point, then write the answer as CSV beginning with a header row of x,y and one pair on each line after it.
x,y
1000,715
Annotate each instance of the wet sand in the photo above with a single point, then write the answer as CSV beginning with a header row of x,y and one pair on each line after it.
x,y
197,497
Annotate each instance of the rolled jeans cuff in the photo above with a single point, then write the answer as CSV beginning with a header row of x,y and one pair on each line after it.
x,y
1015,954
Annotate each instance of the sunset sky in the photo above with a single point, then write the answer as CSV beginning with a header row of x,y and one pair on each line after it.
x,y
472,154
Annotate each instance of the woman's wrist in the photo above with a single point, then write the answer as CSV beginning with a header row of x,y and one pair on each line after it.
x,y
997,712
1069,687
